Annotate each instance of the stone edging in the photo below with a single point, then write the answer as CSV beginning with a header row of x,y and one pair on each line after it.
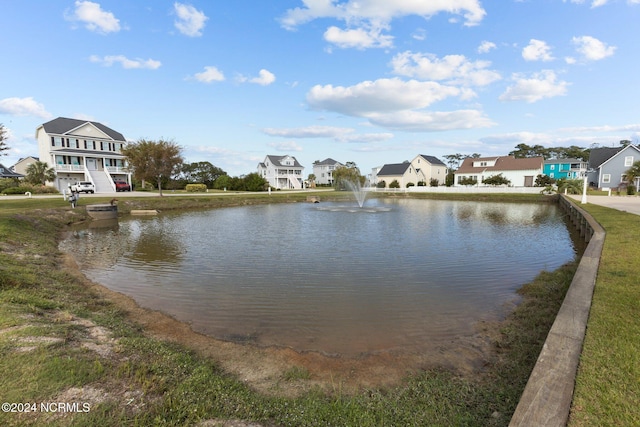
x,y
546,400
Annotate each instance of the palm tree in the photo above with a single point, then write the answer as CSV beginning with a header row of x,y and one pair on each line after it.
x,y
633,174
40,173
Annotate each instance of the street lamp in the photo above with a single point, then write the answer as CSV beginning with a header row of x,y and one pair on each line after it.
x,y
584,186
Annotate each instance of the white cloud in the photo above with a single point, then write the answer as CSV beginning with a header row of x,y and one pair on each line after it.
x,y
23,107
367,19
265,78
308,132
380,11
336,133
537,50
210,74
428,121
486,46
383,95
539,86
592,49
285,146
596,3
109,60
94,18
456,69
359,38
190,21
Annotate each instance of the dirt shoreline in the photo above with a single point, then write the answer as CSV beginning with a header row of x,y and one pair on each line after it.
x,y
265,368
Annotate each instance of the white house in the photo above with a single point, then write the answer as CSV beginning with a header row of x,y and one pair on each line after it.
x,y
282,172
323,170
81,150
522,172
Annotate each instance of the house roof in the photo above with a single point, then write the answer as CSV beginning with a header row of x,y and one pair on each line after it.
x,y
328,162
627,148
598,156
277,160
503,163
433,160
65,126
393,169
554,161
8,173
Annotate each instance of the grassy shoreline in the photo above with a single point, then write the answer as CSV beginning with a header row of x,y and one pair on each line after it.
x,y
62,341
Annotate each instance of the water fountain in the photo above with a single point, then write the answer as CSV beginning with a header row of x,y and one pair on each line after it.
x,y
357,191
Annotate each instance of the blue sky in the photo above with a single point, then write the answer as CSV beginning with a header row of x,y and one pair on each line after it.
x,y
368,81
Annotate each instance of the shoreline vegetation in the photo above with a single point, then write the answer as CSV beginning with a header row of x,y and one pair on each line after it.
x,y
64,339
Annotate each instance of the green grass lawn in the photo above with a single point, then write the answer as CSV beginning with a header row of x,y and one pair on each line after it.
x,y
608,383
61,341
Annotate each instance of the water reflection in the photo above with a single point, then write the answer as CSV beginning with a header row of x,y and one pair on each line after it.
x,y
412,275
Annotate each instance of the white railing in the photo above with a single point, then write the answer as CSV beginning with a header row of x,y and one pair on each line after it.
x,y
70,168
115,169
463,189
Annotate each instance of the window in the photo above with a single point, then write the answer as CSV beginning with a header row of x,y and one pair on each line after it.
x,y
551,175
628,161
606,178
553,167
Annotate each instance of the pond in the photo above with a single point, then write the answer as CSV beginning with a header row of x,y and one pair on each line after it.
x,y
402,275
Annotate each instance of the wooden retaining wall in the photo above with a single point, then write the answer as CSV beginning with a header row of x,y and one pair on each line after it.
x,y
546,400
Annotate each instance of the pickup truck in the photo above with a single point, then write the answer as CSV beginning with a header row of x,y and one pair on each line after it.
x,y
83,187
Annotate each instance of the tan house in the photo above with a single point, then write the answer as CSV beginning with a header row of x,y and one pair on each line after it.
x,y
429,168
81,150
420,171
22,165
520,172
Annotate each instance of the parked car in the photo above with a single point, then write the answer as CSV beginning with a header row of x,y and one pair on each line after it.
x,y
122,186
83,187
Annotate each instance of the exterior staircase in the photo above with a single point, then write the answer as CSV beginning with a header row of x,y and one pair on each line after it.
x,y
102,181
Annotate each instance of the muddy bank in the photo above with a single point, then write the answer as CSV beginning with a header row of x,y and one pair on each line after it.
x,y
264,369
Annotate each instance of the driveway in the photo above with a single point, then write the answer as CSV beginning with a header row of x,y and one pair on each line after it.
x,y
629,204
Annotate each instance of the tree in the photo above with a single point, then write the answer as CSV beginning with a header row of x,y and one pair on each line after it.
x,y
153,161
201,173
572,186
347,173
498,179
312,180
544,180
39,173
254,182
3,136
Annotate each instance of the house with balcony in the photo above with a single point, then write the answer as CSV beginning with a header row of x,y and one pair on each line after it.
x,y
564,168
323,170
81,150
521,172
608,166
282,172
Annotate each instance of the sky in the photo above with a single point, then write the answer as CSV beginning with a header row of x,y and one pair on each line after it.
x,y
364,81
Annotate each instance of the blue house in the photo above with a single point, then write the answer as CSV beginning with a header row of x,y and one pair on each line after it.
x,y
564,168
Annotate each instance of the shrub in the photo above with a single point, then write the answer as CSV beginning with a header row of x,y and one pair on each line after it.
x,y
410,184
381,184
394,184
467,180
433,182
422,184
498,179
195,188
17,190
